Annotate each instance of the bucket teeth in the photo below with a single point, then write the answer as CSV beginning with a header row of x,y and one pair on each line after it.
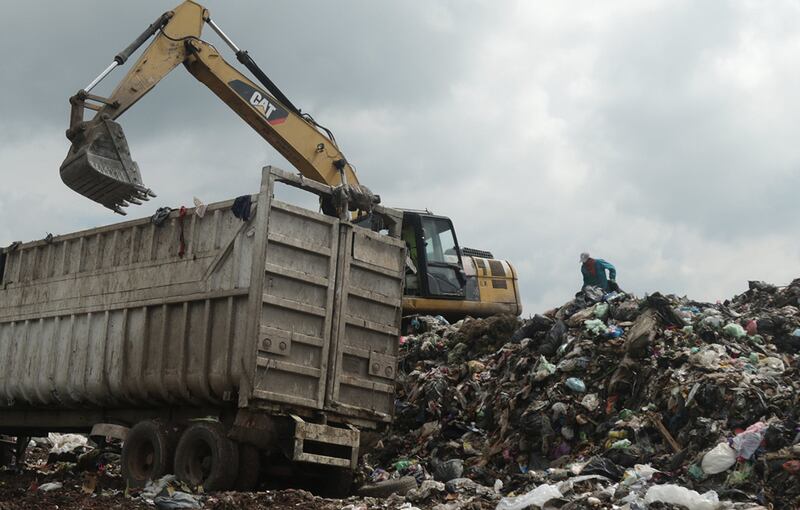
x,y
99,167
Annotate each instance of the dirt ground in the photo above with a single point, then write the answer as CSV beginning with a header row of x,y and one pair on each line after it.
x,y
105,489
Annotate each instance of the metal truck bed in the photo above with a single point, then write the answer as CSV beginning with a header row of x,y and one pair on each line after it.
x,y
291,312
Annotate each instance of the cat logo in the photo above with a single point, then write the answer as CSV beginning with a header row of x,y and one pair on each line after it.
x,y
261,101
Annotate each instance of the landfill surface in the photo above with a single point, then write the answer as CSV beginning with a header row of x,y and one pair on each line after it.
x,y
609,401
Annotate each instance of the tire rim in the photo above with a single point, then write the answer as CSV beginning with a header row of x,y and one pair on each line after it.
x,y
199,462
142,460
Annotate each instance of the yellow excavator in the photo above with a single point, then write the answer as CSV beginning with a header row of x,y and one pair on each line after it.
x,y
441,277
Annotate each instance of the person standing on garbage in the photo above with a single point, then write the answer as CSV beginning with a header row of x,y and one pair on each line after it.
x,y
594,273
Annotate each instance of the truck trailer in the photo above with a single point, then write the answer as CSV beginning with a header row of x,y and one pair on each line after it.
x,y
217,343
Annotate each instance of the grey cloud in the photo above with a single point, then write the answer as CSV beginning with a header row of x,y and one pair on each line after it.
x,y
635,130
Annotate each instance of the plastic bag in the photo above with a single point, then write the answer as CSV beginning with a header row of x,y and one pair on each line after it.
x,y
596,327
771,366
621,444
712,321
177,500
601,310
65,443
590,402
747,442
574,364
734,330
720,458
576,384
543,369
537,497
709,357
677,495
639,472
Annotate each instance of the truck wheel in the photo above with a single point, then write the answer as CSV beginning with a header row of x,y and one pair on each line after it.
x,y
6,454
249,467
147,453
386,488
205,456
338,483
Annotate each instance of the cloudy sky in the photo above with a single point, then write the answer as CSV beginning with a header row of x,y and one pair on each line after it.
x,y
659,135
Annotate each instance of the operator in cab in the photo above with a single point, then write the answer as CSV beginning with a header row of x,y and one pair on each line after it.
x,y
594,273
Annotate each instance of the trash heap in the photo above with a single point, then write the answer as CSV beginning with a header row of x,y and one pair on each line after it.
x,y
608,399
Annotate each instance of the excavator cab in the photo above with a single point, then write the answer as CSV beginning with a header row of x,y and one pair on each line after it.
x,y
436,268
442,278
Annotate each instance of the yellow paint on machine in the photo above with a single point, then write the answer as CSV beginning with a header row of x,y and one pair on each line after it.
x,y
498,293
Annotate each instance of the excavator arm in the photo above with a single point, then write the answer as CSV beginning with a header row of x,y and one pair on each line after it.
x,y
99,165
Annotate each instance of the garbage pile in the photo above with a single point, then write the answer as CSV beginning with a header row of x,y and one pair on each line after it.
x,y
608,400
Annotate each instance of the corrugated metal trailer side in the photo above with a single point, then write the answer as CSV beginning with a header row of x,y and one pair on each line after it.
x,y
114,315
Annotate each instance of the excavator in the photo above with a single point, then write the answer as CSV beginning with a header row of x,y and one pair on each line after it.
x,y
442,278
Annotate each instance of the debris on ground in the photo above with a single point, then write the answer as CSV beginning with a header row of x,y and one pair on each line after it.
x,y
666,399
609,401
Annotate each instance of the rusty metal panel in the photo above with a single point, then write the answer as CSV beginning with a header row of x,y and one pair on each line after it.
x,y
296,306
321,436
366,324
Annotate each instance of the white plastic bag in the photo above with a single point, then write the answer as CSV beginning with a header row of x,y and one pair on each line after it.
x,y
771,366
65,443
708,357
677,495
590,402
639,472
537,497
720,458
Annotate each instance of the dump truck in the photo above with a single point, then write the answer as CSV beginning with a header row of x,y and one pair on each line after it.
x,y
219,342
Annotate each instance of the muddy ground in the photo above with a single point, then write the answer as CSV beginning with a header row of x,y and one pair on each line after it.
x,y
105,489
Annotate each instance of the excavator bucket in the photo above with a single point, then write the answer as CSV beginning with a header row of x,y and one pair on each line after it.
x,y
99,166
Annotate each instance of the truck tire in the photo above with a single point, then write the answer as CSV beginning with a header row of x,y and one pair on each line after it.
x,y
6,454
249,467
205,456
338,484
147,453
386,488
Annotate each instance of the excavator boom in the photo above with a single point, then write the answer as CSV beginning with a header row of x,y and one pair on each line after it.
x,y
99,165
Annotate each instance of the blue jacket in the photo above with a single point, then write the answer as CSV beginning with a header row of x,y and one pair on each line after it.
x,y
594,273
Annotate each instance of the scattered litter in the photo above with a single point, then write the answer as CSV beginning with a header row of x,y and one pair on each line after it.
x,y
676,495
720,458
199,207
537,497
177,500
620,403
65,443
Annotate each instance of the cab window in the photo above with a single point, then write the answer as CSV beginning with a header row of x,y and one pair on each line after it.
x,y
443,266
440,244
